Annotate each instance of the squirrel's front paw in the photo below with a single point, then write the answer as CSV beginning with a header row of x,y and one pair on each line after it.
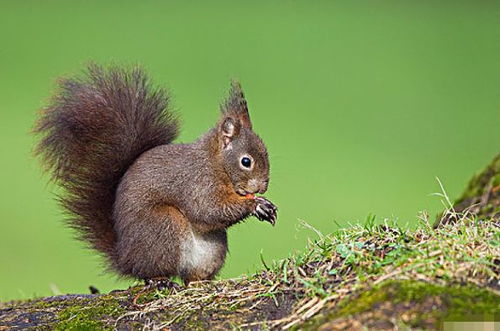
x,y
265,210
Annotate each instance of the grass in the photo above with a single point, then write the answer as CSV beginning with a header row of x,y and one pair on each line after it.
x,y
346,276
336,266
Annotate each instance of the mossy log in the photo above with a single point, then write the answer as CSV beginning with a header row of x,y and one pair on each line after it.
x,y
481,197
378,276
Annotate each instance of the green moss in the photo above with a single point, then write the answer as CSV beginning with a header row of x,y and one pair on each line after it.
x,y
458,301
89,316
429,302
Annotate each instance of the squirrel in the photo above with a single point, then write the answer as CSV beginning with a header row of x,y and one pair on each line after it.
x,y
154,209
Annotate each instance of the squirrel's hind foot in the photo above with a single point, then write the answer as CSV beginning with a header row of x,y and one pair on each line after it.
x,y
161,284
157,284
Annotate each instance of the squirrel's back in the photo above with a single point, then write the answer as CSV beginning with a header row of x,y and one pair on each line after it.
x,y
94,129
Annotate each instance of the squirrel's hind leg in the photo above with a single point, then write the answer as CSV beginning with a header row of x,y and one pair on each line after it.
x,y
149,243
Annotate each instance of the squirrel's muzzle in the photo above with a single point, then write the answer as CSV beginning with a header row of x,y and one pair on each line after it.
x,y
256,186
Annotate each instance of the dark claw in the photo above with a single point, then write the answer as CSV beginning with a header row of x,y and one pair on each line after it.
x,y
265,210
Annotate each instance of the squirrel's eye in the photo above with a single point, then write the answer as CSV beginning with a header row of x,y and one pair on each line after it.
x,y
246,162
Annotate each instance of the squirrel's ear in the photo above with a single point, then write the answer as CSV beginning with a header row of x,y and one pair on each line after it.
x,y
236,105
229,129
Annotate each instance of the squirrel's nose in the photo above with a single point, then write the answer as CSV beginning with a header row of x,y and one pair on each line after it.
x,y
256,186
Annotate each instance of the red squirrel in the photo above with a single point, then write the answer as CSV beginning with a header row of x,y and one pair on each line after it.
x,y
152,208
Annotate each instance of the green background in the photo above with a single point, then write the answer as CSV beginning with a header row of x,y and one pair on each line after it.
x,y
361,105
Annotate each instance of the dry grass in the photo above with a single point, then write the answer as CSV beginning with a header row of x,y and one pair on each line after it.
x,y
299,290
333,267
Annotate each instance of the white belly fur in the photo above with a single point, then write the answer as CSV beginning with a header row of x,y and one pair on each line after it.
x,y
199,253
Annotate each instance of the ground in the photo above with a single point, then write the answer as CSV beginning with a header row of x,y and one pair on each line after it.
x,y
371,275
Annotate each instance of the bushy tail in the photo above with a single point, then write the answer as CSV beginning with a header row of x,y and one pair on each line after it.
x,y
93,130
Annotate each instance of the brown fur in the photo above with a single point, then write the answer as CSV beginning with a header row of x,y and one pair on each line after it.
x,y
155,209
93,130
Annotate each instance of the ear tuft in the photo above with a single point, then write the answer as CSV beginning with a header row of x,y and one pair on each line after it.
x,y
236,105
